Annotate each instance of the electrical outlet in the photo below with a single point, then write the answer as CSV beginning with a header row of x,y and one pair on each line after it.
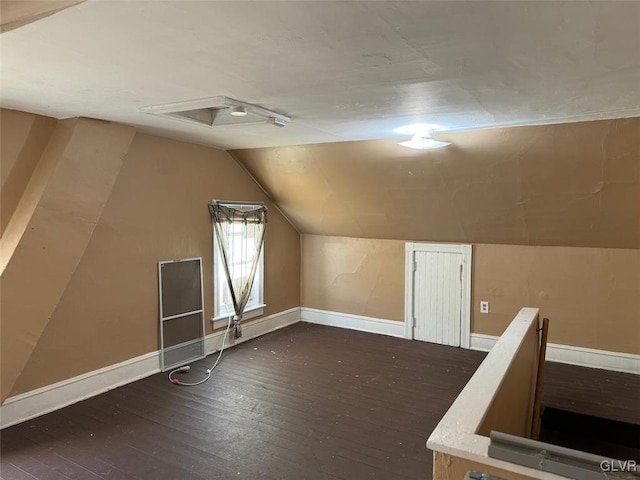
x,y
484,307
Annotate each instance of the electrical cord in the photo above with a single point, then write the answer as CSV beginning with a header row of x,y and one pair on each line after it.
x,y
186,368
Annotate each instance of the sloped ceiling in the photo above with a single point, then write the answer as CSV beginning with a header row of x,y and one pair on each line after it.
x,y
16,13
569,185
343,70
350,73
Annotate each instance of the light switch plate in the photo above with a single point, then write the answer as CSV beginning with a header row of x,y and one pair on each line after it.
x,y
484,307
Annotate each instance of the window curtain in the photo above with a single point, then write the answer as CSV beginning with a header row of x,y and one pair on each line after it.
x,y
242,245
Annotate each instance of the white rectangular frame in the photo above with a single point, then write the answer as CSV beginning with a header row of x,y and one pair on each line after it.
x,y
467,257
164,367
219,320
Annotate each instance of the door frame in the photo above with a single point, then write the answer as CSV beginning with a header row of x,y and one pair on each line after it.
x,y
466,251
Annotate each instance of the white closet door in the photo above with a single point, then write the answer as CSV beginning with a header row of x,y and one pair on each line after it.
x,y
437,297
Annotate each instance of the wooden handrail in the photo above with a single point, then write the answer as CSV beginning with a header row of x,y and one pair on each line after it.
x,y
537,399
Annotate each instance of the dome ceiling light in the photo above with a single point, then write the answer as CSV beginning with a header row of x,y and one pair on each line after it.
x,y
423,141
422,136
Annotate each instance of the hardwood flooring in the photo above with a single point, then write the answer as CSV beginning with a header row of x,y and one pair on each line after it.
x,y
592,410
306,402
592,391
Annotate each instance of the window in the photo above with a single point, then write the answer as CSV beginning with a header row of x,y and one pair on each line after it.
x,y
240,264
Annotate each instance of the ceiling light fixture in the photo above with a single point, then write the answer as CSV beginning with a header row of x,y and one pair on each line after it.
x,y
423,141
218,112
238,111
415,128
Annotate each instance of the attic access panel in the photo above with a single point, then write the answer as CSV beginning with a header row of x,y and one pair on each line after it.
x,y
181,312
218,112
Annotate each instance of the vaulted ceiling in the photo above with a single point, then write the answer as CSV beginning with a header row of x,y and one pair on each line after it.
x,y
345,70
568,185
350,73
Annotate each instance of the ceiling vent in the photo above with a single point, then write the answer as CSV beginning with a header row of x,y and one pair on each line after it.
x,y
218,112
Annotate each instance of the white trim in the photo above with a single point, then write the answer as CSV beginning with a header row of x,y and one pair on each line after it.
x,y
437,247
467,260
382,326
221,321
465,328
456,435
37,402
585,357
253,329
409,259
482,342
46,399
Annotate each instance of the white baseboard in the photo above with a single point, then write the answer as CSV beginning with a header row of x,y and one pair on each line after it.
x,y
255,328
585,357
482,342
37,402
46,399
353,322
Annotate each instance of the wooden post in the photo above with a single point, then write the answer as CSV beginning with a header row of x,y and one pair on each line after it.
x,y
537,399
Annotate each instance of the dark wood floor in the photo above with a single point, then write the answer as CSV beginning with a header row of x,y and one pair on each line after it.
x,y
591,391
306,402
592,410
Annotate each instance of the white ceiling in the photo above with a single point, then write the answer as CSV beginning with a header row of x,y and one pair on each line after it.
x,y
342,70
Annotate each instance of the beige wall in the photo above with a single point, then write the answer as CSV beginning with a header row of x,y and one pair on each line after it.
x,y
51,229
23,137
589,294
157,211
17,13
353,275
574,184
512,407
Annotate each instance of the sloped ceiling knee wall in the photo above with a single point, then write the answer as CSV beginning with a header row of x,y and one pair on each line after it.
x,y
50,229
96,206
565,185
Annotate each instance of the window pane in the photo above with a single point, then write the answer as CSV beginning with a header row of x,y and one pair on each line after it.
x,y
239,268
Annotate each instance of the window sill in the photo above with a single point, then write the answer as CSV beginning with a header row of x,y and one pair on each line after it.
x,y
222,320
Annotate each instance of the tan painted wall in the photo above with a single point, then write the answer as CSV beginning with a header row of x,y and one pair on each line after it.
x,y
23,137
512,408
53,225
157,211
590,294
572,184
16,13
353,275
